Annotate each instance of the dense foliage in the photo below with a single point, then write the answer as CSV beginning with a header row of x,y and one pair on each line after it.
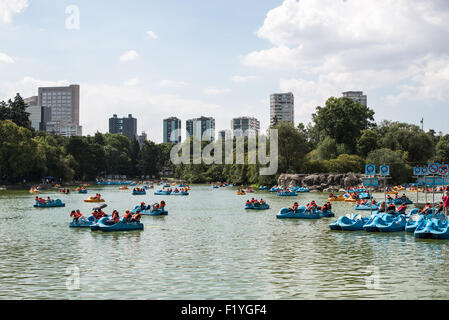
x,y
341,138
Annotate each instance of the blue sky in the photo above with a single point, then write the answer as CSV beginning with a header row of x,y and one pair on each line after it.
x,y
224,58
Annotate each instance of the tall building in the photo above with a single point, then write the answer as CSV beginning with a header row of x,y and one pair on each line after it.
x,y
65,109
170,126
126,126
357,96
202,128
142,138
282,108
224,135
39,115
245,126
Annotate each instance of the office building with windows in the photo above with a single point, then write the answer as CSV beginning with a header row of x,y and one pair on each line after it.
x,y
172,130
126,126
282,108
64,103
245,127
39,115
202,128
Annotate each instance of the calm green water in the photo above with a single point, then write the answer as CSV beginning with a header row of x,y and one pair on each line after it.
x,y
208,247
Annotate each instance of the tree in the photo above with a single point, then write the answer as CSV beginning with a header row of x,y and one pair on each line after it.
x,y
368,141
442,149
16,112
343,120
399,170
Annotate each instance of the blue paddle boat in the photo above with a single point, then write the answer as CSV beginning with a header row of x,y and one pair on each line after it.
x,y
119,226
440,231
326,214
139,192
432,223
396,225
287,194
264,188
265,206
366,207
149,211
83,223
354,223
185,193
413,223
376,220
162,193
52,204
84,191
300,213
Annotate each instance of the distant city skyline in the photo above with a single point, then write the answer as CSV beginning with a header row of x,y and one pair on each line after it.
x,y
213,59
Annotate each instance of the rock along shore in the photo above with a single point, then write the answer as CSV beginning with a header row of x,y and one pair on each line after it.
x,y
323,182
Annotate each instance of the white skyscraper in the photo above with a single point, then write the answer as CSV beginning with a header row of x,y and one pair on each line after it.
x,y
245,126
282,108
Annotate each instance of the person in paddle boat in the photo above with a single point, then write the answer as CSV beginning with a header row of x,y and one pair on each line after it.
x,y
262,202
76,215
142,206
136,217
127,216
427,209
114,219
176,190
325,207
248,203
382,207
313,206
389,198
256,203
332,196
294,208
96,214
391,208
402,209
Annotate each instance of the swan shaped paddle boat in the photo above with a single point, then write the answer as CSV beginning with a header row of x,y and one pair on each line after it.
x,y
434,223
378,219
396,225
366,207
349,223
300,213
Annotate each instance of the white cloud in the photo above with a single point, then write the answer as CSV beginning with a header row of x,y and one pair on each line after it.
x,y
8,8
332,46
131,82
216,91
27,87
152,35
172,84
5,58
243,79
129,56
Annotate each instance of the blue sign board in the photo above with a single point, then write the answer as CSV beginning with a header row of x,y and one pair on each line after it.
x,y
370,170
424,171
384,170
417,171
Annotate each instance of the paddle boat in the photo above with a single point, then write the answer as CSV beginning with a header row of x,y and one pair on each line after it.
x,y
396,225
263,188
215,187
287,194
326,214
434,222
83,223
399,201
52,204
300,213
102,225
150,211
414,222
380,219
336,199
240,193
350,199
94,199
180,193
162,193
139,192
366,207
34,191
81,190
276,189
440,231
123,188
391,192
251,206
349,223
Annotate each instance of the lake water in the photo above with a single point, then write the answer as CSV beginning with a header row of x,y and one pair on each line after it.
x,y
208,247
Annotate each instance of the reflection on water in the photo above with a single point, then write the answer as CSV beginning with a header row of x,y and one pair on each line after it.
x,y
208,247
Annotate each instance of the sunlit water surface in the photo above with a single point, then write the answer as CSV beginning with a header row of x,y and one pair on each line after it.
x,y
209,247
